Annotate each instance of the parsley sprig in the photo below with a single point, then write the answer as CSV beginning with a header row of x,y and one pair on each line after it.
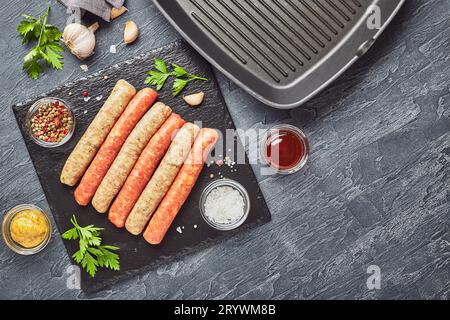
x,y
92,254
47,47
159,75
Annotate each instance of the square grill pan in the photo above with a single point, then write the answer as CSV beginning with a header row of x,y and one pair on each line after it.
x,y
283,52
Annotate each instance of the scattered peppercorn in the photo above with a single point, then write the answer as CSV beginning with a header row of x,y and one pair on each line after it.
x,y
51,123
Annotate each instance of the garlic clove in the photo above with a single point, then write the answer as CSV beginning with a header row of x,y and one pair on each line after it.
x,y
115,13
80,40
195,99
131,32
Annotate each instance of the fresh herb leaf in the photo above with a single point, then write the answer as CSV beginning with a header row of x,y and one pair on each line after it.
x,y
33,68
27,27
90,264
32,55
160,65
55,47
110,259
95,251
157,79
53,58
91,253
178,71
159,76
47,47
95,241
84,245
71,234
78,256
110,248
53,34
179,85
89,231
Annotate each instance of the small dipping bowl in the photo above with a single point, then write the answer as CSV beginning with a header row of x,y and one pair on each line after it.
x,y
6,230
298,141
225,183
34,109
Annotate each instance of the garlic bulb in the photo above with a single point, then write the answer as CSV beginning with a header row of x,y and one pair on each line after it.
x,y
131,32
80,40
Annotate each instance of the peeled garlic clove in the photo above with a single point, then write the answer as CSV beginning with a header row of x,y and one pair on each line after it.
x,y
80,40
195,99
117,12
131,32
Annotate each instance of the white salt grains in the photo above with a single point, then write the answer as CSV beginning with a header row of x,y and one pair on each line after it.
x,y
224,205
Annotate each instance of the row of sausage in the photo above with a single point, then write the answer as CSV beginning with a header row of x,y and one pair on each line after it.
x,y
139,160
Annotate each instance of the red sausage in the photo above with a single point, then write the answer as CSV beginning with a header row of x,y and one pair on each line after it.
x,y
143,170
111,146
181,187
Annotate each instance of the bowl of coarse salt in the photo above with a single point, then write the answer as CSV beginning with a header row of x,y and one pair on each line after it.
x,y
224,204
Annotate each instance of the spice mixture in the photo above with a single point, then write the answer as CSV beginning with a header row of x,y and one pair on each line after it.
x,y
52,122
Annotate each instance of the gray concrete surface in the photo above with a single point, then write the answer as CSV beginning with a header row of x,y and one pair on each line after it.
x,y
375,192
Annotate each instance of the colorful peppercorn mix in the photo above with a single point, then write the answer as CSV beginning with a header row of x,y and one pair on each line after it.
x,y
51,123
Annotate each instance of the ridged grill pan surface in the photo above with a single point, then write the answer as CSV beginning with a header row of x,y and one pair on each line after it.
x,y
281,51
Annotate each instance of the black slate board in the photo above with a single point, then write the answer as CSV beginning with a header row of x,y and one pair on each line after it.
x,y
136,255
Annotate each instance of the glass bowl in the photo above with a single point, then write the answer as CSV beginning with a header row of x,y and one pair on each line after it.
x,y
33,110
272,134
221,183
6,230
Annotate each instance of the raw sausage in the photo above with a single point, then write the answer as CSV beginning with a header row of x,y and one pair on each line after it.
x,y
111,146
143,170
181,187
128,155
92,139
126,159
162,179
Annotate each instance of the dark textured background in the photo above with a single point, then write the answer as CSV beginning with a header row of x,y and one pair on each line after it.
x,y
376,190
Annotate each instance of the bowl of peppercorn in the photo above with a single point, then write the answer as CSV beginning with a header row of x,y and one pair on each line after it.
x,y
50,122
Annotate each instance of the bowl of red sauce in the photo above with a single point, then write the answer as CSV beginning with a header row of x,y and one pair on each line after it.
x,y
285,148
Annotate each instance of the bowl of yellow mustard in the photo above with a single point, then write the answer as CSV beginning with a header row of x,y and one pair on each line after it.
x,y
26,229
